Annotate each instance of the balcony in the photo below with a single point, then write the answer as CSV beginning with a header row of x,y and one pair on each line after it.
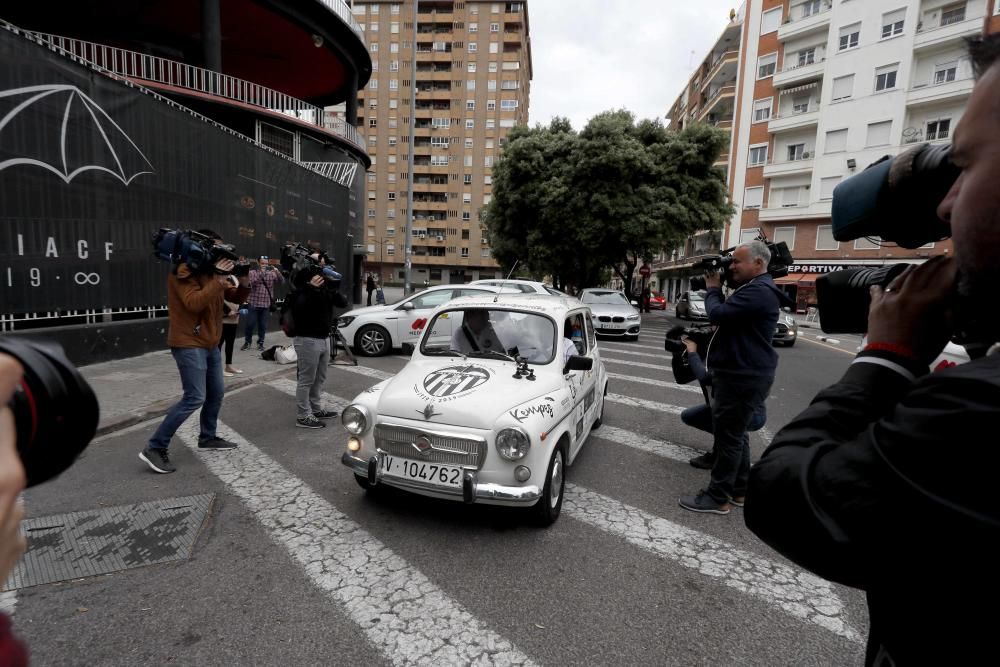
x,y
805,211
725,94
803,165
922,94
794,120
725,65
932,36
794,75
800,26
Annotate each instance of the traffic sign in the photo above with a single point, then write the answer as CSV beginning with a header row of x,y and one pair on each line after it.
x,y
644,270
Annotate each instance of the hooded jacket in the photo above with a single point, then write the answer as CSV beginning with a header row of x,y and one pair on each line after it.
x,y
746,321
194,307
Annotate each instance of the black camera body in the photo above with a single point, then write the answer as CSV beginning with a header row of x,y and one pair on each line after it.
x,y
895,200
299,266
673,344
195,249
781,258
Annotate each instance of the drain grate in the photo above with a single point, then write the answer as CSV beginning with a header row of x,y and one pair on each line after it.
x,y
86,544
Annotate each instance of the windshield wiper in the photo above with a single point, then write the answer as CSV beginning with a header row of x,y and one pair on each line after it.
x,y
441,352
491,354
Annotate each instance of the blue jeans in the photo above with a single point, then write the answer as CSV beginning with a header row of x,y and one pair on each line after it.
x,y
257,317
201,378
700,417
735,400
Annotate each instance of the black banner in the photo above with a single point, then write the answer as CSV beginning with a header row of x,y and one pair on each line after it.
x,y
91,167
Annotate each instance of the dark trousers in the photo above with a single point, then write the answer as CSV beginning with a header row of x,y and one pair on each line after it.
x,y
229,338
735,399
257,318
370,290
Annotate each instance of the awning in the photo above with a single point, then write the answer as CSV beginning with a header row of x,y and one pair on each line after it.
x,y
796,89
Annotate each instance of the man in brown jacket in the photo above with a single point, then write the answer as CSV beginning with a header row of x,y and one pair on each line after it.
x,y
194,304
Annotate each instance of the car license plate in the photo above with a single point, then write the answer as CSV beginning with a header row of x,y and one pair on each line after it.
x,y
439,474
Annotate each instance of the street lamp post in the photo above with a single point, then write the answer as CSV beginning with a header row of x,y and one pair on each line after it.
x,y
408,248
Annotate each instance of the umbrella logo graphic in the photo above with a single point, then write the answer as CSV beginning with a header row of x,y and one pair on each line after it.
x,y
59,128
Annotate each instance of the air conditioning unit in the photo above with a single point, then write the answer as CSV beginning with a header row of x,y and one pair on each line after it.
x,y
806,155
421,236
440,238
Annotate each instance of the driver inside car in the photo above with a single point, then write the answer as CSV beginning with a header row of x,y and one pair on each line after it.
x,y
476,334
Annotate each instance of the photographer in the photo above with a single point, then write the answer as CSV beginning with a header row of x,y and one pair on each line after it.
x,y
311,306
262,282
741,362
195,307
887,482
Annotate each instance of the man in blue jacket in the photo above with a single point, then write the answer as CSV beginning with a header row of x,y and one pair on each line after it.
x,y
741,362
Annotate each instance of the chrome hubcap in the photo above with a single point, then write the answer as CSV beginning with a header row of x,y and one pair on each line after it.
x,y
555,481
372,342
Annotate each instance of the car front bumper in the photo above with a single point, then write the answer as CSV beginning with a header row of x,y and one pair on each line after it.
x,y
471,491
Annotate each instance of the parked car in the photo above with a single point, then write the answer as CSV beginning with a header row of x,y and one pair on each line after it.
x,y
613,313
526,286
657,301
787,331
691,305
494,426
376,330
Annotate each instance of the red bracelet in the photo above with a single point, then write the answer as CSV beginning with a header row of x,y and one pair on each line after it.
x,y
901,350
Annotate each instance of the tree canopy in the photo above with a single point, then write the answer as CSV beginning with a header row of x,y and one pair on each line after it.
x,y
570,204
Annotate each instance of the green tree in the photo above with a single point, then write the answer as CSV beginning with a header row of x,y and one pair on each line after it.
x,y
570,204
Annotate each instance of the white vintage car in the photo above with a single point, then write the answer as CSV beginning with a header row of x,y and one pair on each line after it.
x,y
494,404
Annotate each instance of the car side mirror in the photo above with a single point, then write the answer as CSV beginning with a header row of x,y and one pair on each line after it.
x,y
786,309
408,349
408,306
577,363
635,303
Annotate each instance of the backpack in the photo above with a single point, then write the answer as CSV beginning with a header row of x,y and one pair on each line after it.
x,y
286,320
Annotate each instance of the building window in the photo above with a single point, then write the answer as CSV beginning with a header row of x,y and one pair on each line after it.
x,y
748,235
824,238
488,161
466,216
489,143
374,9
374,46
508,105
796,152
394,9
753,197
953,13
492,85
885,77
470,105
373,27
491,105
786,234
468,161
468,142
390,249
371,178
472,67
770,20
466,197
390,231
393,66
371,195
465,234
809,8
371,213
849,36
491,123
892,23
473,27
758,155
762,109
372,122
800,105
392,141
390,213
766,65
392,178
945,72
878,133
394,47
394,28
392,196
373,84
465,252
494,27
807,56
492,67
470,123
472,47
393,84
938,129
826,186
467,178
843,88
836,141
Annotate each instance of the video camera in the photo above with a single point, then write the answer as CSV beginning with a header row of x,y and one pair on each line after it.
x,y
199,251
777,267
673,344
296,258
55,410
894,200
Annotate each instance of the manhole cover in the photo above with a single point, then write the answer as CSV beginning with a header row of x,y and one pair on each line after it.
x,y
86,544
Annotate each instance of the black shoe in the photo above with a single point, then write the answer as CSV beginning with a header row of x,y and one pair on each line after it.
x,y
260,347
246,346
325,414
216,443
158,460
703,461
309,422
703,503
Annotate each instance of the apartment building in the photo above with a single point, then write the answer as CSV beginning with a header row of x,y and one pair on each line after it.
x,y
825,88
472,78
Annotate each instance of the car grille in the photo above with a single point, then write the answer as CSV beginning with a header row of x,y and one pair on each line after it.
x,y
447,448
608,318
782,329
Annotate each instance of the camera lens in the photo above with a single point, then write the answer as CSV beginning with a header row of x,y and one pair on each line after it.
x,y
55,410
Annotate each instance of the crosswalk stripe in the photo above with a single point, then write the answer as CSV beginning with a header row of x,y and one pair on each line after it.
x,y
638,364
642,403
405,616
656,383
796,592
664,448
662,355
604,347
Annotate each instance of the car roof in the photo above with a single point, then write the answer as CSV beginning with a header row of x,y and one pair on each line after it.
x,y
547,304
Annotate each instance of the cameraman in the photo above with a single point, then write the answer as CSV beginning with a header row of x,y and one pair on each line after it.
x,y
312,302
194,305
12,481
887,482
262,282
741,362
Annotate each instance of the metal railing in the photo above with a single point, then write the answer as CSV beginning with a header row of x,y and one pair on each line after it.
x,y
824,8
795,65
135,65
340,8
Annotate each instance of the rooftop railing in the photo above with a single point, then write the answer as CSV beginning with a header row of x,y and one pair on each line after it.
x,y
340,8
135,65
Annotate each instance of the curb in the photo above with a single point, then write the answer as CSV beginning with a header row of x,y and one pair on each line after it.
x,y
160,408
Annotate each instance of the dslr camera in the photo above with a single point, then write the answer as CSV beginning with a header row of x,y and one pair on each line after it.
x,y
195,249
55,410
893,200
777,267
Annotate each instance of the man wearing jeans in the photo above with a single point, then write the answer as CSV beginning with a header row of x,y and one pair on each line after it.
x,y
312,311
262,282
741,362
194,304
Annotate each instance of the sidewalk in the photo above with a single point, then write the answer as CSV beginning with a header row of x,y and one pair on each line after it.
x,y
133,390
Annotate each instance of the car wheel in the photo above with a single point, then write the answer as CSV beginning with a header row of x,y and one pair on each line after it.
x,y
371,341
600,415
547,508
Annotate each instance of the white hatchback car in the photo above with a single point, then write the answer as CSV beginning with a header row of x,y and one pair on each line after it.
x,y
376,330
493,423
526,286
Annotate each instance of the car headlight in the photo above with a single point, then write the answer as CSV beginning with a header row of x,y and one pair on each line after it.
x,y
633,317
344,321
513,444
355,419
789,320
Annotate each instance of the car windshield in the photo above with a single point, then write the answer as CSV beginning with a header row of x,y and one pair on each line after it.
x,y
697,296
605,298
490,333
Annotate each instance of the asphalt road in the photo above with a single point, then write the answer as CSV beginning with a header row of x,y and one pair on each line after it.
x,y
296,565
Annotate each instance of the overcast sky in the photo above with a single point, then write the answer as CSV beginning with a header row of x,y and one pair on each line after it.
x,y
593,55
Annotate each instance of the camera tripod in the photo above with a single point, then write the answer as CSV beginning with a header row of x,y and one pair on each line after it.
x,y
337,340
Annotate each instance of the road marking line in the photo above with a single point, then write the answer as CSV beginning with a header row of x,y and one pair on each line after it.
x,y
656,383
661,355
799,593
637,364
8,601
663,448
648,405
406,616
832,347
621,348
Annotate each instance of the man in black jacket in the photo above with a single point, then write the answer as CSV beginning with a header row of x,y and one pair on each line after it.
x,y
741,361
887,482
312,312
